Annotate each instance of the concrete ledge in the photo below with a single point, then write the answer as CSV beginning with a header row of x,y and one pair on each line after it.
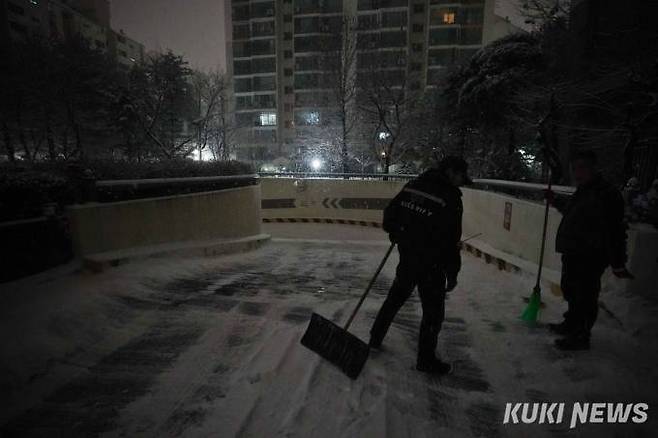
x,y
198,248
119,226
509,262
320,220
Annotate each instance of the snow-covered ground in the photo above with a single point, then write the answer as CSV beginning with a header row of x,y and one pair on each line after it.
x,y
210,347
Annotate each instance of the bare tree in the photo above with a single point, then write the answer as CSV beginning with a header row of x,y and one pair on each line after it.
x,y
540,12
389,110
213,127
160,100
339,62
56,99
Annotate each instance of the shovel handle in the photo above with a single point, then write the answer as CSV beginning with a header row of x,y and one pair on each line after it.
x,y
472,236
365,294
374,277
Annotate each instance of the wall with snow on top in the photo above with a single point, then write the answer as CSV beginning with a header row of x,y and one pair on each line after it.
x,y
231,213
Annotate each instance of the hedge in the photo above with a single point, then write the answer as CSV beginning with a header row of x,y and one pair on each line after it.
x,y
26,187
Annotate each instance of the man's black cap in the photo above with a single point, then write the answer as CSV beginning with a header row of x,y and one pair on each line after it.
x,y
457,164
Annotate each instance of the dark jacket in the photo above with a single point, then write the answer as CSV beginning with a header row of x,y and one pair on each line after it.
x,y
593,223
427,215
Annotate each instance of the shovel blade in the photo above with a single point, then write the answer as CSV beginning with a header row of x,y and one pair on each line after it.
x,y
336,345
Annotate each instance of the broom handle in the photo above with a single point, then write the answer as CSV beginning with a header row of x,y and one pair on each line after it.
x,y
365,294
543,233
379,269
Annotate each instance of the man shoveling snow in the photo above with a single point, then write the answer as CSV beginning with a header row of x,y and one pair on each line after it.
x,y
425,219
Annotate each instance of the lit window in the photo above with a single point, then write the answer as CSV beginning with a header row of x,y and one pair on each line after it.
x,y
449,18
267,119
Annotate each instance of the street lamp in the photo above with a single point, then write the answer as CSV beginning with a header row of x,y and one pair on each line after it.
x,y
316,164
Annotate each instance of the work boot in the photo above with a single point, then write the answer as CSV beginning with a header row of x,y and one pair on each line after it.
x,y
562,328
433,366
573,343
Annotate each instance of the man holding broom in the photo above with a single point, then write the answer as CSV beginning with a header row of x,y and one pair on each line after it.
x,y
591,237
425,221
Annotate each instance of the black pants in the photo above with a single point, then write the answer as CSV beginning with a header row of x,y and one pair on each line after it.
x,y
581,284
416,268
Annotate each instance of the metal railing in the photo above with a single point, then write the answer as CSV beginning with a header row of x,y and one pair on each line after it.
x,y
151,182
511,187
127,189
332,175
517,186
531,191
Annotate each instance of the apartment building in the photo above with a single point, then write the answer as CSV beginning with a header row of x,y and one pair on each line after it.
x,y
127,51
20,19
65,19
275,51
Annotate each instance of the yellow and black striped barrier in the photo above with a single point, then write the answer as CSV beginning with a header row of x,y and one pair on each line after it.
x,y
315,220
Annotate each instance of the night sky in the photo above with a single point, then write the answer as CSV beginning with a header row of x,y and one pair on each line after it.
x,y
193,28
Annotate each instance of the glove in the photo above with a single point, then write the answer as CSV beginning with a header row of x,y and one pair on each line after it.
x,y
622,273
451,283
395,236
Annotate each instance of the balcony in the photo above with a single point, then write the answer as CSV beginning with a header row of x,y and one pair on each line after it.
x,y
318,6
368,5
262,9
462,35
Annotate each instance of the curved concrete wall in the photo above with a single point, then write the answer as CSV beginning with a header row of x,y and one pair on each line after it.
x,y
232,213
511,227
520,236
484,212
362,200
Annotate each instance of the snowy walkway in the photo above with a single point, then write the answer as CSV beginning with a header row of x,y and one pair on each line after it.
x,y
210,347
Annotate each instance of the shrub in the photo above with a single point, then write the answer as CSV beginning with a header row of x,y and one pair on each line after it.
x,y
26,187
104,170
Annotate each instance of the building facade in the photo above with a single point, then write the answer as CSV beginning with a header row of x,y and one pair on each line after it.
x,y
275,51
66,19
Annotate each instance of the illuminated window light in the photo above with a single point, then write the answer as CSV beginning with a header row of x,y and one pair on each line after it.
x,y
268,119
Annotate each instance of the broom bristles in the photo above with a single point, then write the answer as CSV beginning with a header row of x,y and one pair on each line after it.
x,y
532,309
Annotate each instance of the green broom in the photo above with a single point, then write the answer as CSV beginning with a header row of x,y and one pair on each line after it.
x,y
550,158
534,302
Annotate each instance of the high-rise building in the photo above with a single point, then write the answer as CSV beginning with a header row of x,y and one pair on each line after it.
x,y
95,10
275,51
127,51
65,19
20,19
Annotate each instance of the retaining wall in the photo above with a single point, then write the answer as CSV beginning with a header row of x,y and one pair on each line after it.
x,y
360,200
511,227
230,214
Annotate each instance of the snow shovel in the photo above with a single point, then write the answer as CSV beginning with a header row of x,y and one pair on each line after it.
x,y
336,344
